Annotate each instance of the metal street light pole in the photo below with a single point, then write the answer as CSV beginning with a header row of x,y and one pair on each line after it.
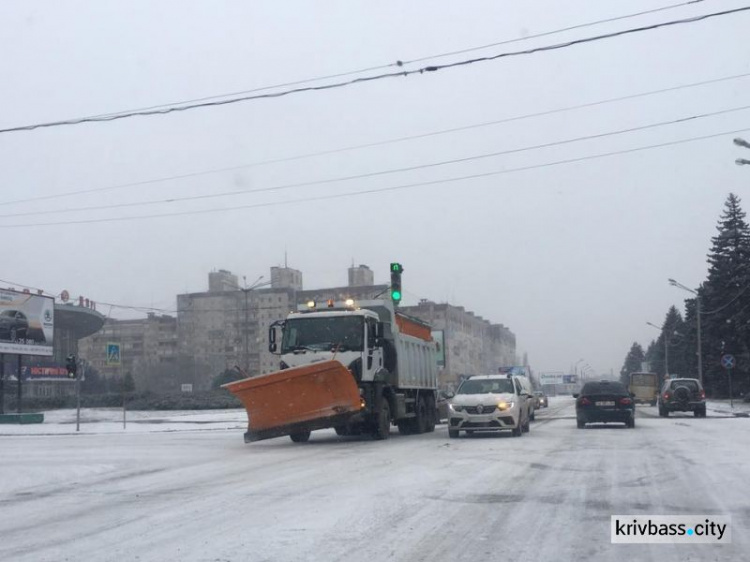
x,y
256,285
666,350
698,317
575,366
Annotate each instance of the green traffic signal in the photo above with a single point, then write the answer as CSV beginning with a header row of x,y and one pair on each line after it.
x,y
396,271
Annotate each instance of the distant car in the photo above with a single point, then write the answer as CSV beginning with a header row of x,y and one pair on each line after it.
x,y
491,403
541,399
604,401
14,325
682,395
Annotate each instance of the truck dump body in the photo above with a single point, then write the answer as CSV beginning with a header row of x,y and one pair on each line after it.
x,y
300,399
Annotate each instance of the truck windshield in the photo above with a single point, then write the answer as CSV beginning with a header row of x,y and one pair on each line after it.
x,y
496,386
345,333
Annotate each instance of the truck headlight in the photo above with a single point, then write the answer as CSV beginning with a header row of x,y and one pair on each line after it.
x,y
502,406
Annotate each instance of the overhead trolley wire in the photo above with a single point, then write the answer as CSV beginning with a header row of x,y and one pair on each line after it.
x,y
376,173
380,190
400,73
438,132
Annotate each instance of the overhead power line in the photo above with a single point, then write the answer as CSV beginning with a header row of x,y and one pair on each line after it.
x,y
376,173
372,144
409,62
401,73
383,189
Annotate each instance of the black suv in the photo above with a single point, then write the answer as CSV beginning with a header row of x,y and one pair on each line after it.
x,y
604,401
682,395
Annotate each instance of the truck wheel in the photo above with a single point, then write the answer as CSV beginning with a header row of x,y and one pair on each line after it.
x,y
405,426
420,422
300,437
342,430
431,414
383,427
581,424
452,433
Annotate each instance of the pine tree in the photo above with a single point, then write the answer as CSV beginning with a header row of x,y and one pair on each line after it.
x,y
128,383
725,301
669,350
674,331
632,362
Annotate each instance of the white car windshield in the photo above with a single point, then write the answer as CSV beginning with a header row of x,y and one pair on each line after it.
x,y
494,386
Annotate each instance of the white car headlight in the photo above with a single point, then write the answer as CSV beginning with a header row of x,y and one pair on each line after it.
x,y
502,405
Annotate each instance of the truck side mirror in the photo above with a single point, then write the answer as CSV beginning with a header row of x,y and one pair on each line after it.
x,y
272,347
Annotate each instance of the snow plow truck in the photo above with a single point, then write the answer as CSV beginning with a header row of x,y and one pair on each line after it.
x,y
357,367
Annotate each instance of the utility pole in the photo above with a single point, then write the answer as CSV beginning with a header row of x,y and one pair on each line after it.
x,y
698,322
2,383
700,352
19,407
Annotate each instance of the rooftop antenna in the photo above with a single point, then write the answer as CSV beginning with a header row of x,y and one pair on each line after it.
x,y
285,262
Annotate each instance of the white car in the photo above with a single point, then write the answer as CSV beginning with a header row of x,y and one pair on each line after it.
x,y
491,403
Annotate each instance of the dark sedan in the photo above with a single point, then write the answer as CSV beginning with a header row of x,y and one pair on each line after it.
x,y
540,399
13,325
604,401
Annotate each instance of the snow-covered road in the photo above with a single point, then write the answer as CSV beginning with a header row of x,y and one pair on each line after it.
x,y
189,488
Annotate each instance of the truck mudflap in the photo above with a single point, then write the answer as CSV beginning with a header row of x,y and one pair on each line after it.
x,y
314,396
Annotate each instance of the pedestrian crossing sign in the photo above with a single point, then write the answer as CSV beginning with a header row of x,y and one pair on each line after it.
x,y
113,353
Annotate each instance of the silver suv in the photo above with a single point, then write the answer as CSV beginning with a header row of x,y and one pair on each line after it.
x,y
682,395
491,403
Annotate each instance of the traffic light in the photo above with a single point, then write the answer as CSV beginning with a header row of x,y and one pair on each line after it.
x,y
396,270
72,365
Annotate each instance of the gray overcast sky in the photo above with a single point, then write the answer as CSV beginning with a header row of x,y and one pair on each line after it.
x,y
573,258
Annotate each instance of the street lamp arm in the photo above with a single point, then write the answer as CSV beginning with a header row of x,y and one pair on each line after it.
x,y
681,286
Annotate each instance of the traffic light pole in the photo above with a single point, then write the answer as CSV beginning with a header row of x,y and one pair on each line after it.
x,y
78,397
19,409
2,383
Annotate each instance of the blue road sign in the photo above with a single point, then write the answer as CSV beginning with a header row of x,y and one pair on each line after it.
x,y
727,361
113,353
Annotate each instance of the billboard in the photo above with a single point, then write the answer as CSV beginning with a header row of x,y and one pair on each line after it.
x,y
551,378
43,370
439,337
26,323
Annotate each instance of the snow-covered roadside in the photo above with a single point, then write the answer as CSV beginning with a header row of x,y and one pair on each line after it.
x,y
723,406
110,420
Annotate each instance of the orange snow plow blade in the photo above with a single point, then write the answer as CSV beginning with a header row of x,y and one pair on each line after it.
x,y
295,400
